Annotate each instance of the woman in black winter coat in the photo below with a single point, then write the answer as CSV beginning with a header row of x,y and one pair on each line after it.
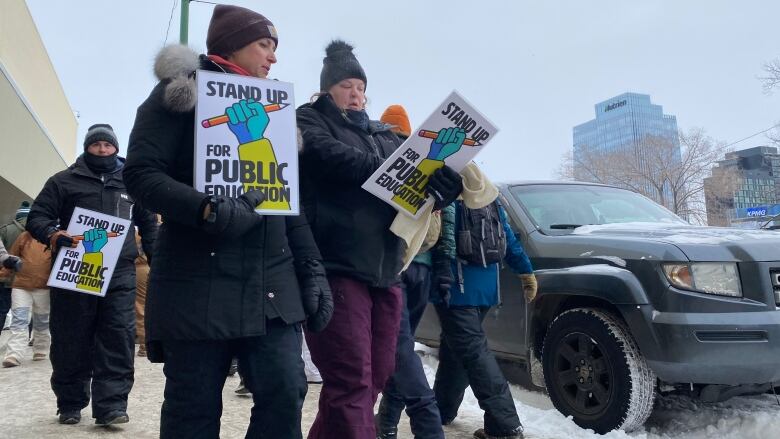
x,y
342,148
224,281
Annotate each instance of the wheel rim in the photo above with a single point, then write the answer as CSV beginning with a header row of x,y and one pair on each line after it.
x,y
582,375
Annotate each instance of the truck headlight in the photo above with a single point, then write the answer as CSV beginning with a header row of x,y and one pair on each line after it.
x,y
721,278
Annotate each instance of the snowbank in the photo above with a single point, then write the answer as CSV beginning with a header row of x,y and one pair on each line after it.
x,y
674,417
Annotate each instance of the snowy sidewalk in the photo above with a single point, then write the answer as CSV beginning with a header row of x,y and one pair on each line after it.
x,y
27,410
27,406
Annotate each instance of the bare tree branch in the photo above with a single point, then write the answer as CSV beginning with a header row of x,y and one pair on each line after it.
x,y
772,77
774,136
658,168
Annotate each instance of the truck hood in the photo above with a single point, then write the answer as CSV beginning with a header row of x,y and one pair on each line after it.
x,y
699,243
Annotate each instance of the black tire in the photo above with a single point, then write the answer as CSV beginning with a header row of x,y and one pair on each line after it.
x,y
595,373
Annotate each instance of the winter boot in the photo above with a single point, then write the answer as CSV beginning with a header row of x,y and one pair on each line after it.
x,y
517,433
69,417
11,362
116,417
384,421
387,433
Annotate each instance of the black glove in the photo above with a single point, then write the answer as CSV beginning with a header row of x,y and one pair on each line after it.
x,y
443,278
444,186
315,295
233,217
59,238
13,263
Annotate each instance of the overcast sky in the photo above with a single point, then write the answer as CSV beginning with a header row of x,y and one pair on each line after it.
x,y
535,68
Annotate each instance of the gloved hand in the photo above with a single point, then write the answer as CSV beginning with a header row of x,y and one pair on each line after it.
x,y
444,186
315,294
61,238
233,217
443,278
13,263
529,286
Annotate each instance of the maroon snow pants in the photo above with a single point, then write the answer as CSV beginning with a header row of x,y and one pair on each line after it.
x,y
356,356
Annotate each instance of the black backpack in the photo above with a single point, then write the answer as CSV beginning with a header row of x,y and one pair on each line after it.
x,y
481,238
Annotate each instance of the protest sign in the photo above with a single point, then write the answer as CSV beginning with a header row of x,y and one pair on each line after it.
x,y
88,267
453,134
246,139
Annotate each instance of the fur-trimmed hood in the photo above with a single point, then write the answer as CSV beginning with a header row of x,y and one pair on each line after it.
x,y
175,65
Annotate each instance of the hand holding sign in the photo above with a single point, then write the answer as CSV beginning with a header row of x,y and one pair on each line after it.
x,y
444,185
95,240
247,120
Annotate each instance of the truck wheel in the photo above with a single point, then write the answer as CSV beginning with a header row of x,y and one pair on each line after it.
x,y
595,373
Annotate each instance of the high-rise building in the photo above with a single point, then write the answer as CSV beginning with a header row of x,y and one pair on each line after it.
x,y
628,122
753,197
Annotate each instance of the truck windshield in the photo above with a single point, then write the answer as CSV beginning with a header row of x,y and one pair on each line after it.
x,y
560,208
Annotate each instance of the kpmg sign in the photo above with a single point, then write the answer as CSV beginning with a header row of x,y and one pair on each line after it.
x,y
757,211
615,105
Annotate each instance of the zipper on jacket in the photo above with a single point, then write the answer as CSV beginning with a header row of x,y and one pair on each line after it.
x,y
374,145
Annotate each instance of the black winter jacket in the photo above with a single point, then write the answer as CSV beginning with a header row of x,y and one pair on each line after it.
x,y
78,186
201,286
351,226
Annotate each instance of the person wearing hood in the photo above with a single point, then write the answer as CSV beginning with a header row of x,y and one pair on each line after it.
x,y
225,281
92,338
342,147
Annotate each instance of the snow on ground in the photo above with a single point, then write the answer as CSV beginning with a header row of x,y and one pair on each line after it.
x,y
674,417
27,410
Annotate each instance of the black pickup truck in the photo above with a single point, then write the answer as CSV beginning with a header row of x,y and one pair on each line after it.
x,y
633,301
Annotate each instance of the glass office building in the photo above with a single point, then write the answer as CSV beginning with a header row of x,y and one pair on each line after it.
x,y
623,122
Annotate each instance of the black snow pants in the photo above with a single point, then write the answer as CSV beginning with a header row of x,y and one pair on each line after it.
x,y
464,360
92,347
272,369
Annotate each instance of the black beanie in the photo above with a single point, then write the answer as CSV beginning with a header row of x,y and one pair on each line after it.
x,y
98,132
339,64
233,27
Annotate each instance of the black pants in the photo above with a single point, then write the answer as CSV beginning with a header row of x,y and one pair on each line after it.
x,y
5,303
272,369
92,345
464,360
408,386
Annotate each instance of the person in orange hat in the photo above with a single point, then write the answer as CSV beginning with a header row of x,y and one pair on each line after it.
x,y
408,386
395,116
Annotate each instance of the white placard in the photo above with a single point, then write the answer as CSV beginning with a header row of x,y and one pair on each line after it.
x,y
88,267
246,139
453,134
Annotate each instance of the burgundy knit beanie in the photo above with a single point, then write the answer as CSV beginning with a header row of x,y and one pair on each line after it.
x,y
233,27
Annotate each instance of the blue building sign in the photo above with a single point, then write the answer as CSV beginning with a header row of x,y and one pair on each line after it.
x,y
757,211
